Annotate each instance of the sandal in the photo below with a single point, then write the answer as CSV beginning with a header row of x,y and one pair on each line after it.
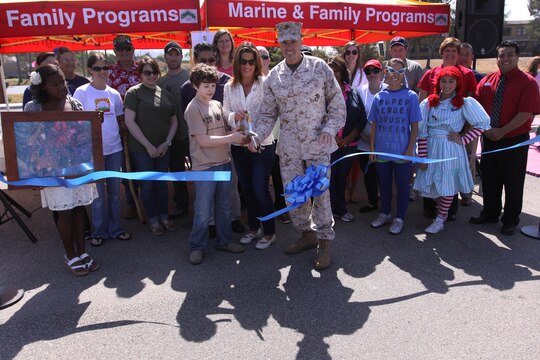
x,y
96,241
79,269
123,236
90,264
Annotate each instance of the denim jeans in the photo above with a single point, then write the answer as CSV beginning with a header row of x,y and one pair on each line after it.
x,y
179,151
254,174
106,208
154,194
400,173
207,194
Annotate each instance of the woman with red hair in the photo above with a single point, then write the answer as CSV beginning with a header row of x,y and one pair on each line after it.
x,y
443,115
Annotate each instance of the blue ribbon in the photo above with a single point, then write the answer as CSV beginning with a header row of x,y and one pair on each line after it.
x,y
301,188
143,175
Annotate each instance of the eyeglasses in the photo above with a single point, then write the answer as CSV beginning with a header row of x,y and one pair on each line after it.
x,y
124,48
99,68
245,62
149,73
265,57
372,71
348,52
206,61
393,71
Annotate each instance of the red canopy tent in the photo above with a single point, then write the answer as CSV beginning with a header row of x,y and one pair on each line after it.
x,y
32,26
326,22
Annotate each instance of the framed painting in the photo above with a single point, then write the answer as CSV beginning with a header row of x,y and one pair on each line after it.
x,y
52,143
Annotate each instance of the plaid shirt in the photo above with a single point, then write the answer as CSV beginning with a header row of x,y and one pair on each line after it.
x,y
122,79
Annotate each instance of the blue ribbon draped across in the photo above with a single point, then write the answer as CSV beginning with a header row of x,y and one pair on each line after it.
x,y
301,188
143,175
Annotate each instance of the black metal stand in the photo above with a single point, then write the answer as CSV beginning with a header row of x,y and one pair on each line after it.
x,y
9,295
10,214
531,231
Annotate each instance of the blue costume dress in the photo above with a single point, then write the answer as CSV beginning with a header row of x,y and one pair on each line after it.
x,y
447,178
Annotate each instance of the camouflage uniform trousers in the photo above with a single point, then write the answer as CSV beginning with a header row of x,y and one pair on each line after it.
x,y
309,216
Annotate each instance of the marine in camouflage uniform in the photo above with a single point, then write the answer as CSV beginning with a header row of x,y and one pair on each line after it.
x,y
303,92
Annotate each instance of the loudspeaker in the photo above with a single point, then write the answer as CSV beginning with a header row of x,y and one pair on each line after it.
x,y
480,23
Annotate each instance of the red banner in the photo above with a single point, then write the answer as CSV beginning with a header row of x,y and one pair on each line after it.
x,y
381,15
46,18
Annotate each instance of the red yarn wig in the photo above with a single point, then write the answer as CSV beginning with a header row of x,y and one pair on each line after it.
x,y
454,72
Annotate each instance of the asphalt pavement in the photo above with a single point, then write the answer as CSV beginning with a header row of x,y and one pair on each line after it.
x,y
465,293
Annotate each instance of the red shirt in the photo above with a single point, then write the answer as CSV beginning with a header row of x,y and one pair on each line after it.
x,y
520,95
121,79
429,80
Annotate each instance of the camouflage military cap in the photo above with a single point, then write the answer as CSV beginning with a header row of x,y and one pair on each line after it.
x,y
289,30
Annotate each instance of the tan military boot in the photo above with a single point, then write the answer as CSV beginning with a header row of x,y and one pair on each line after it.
x,y
323,255
308,240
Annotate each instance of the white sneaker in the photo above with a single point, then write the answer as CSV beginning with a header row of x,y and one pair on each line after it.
x,y
397,226
381,220
264,243
436,226
249,237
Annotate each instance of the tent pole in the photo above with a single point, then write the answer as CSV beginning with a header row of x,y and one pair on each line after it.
x,y
4,89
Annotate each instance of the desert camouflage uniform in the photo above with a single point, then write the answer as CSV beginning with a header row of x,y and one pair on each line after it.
x,y
308,101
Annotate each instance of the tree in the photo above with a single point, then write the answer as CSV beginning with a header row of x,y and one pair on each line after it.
x,y
534,25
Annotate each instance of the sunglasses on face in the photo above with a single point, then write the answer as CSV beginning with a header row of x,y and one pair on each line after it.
x,y
124,48
372,71
265,57
148,73
348,52
393,71
206,61
245,62
99,68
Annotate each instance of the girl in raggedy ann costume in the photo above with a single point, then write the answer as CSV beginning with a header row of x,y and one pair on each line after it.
x,y
443,115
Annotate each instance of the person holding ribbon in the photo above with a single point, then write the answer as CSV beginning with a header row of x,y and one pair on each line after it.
x,y
242,99
151,120
346,139
511,97
98,96
50,93
394,118
303,92
444,114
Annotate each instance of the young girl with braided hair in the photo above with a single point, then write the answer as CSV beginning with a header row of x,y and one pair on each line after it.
x,y
443,115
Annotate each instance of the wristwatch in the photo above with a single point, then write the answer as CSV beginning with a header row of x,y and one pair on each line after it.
x,y
169,144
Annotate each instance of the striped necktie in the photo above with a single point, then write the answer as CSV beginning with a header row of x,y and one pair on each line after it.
x,y
497,103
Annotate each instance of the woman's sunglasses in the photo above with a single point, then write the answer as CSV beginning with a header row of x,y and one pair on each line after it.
x,y
245,62
99,68
148,73
372,71
265,57
348,52
393,71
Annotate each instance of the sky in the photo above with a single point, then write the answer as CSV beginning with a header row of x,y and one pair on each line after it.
x,y
518,9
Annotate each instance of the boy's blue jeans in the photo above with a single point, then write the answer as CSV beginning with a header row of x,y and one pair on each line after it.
x,y
207,193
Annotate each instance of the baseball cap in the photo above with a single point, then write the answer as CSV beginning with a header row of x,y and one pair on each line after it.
x,y
122,42
374,63
173,45
398,40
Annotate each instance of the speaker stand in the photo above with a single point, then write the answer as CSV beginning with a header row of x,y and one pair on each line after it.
x,y
10,214
9,295
531,231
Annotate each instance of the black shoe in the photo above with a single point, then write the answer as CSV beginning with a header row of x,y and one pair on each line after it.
x,y
451,217
237,227
508,229
368,208
212,231
483,219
